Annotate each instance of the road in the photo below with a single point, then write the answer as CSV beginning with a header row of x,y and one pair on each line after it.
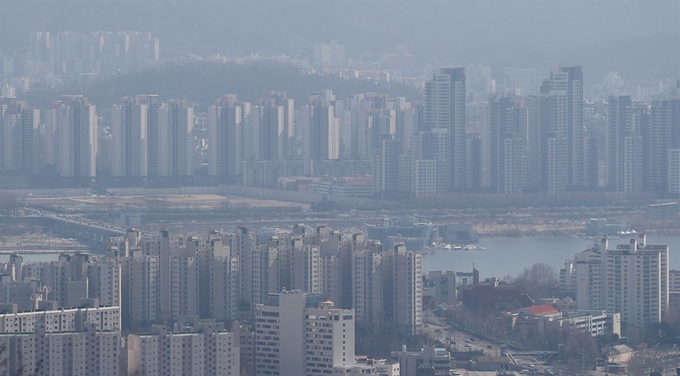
x,y
457,340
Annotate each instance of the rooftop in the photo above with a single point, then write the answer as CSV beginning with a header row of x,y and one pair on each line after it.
x,y
540,310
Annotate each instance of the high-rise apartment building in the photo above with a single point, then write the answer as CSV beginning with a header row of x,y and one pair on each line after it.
x,y
626,127
386,177
171,143
273,136
129,130
202,350
225,126
219,274
184,281
506,145
674,172
324,133
568,82
297,334
83,352
403,300
327,57
76,141
521,81
631,279
387,288
445,108
69,52
664,134
19,137
103,277
279,98
367,284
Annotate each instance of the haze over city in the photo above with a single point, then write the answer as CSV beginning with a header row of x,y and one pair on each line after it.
x,y
308,188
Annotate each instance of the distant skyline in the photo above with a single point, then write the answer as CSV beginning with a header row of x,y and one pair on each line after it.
x,y
639,39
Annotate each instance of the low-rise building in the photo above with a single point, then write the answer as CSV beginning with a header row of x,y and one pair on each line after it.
x,y
409,361
62,320
348,187
490,363
539,319
447,284
376,367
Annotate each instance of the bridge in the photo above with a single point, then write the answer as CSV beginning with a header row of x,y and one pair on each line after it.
x,y
93,235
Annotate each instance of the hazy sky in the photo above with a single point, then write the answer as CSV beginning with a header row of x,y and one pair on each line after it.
x,y
639,38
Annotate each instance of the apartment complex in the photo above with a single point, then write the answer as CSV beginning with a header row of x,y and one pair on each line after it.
x,y
72,53
226,275
201,348
632,279
58,342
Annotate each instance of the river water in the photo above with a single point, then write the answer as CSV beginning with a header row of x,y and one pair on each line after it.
x,y
509,256
502,257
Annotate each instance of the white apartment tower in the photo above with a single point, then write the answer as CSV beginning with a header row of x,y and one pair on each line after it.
x,y
327,57
445,108
367,285
295,336
225,125
76,129
403,300
568,81
388,288
129,129
184,283
104,281
19,137
674,171
625,145
273,136
203,351
329,339
175,143
324,133
305,269
631,279
218,281
78,353
664,134
141,289
521,81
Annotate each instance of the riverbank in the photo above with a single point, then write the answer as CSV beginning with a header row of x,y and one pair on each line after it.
x,y
524,230
651,226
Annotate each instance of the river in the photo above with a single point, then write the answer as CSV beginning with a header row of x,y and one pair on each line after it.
x,y
502,257
509,256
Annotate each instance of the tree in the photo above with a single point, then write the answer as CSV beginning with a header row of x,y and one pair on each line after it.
x,y
580,345
649,361
538,280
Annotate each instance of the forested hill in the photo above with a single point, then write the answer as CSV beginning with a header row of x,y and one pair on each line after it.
x,y
204,82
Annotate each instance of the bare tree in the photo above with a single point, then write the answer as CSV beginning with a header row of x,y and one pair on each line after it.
x,y
580,345
538,280
647,361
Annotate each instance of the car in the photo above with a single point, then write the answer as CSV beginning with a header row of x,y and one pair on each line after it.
x,y
489,347
467,345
